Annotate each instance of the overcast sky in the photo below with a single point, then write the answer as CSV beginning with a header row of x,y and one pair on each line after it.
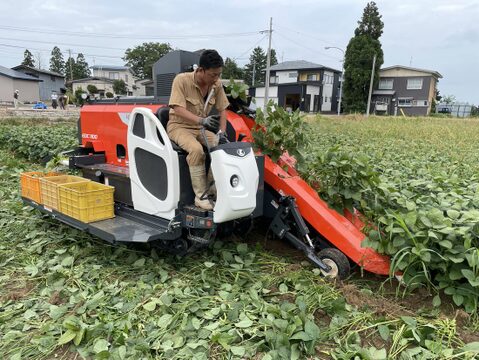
x,y
437,35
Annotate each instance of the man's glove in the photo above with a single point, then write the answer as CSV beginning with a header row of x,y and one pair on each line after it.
x,y
211,123
222,138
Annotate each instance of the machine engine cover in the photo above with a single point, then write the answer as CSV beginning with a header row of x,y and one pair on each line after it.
x,y
236,178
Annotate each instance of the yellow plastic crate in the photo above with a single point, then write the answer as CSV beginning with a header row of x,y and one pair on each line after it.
x,y
49,188
30,184
87,201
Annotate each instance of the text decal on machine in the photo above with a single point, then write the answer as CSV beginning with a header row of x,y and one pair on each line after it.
x,y
89,136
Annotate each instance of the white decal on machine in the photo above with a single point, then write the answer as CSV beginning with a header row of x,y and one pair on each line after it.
x,y
125,117
89,136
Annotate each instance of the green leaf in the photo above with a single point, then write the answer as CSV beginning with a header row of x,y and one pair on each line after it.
x,y
101,345
311,329
283,288
209,264
164,321
68,261
301,335
139,263
245,323
384,332
150,306
68,336
122,352
238,350
436,301
472,347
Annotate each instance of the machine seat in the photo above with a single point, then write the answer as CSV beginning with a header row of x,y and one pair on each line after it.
x,y
163,114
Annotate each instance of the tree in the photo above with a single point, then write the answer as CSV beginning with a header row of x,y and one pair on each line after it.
x,y
56,61
359,58
92,89
28,59
257,65
81,69
69,69
448,99
119,87
141,58
231,70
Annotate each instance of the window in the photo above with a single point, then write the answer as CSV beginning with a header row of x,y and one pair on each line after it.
x,y
273,80
386,84
327,79
292,75
414,84
312,77
114,75
405,102
126,78
52,78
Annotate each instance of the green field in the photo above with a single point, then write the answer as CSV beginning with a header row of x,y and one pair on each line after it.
x,y
67,295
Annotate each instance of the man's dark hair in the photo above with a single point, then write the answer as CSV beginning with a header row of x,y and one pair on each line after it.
x,y
210,59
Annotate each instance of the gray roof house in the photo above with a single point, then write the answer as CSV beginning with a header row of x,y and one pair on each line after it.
x,y
403,89
11,80
303,85
51,81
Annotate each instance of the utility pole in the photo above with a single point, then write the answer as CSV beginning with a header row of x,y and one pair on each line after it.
x,y
371,86
254,72
70,63
341,76
268,64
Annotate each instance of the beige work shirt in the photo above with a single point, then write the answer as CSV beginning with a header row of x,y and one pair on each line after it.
x,y
186,93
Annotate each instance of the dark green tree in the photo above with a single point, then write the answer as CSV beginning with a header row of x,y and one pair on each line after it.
x,y
231,70
81,69
92,89
70,68
359,59
142,57
28,59
57,63
119,87
257,65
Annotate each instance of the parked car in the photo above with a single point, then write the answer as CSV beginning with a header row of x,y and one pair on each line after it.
x,y
39,105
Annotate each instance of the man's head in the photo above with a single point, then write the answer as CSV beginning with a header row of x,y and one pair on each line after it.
x,y
16,91
210,67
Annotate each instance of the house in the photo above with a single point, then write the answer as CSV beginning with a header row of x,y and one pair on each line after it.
x,y
11,80
405,89
51,81
112,72
144,87
301,84
103,85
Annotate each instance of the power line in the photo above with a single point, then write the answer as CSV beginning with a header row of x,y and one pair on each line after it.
x,y
65,44
306,47
306,34
251,48
133,37
47,50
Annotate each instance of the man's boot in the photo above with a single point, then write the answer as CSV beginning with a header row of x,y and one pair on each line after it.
x,y
198,181
211,180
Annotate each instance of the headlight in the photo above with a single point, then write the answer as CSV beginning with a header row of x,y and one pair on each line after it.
x,y
234,181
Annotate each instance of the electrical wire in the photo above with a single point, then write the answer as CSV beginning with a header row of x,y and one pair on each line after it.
x,y
48,51
251,48
132,37
64,44
306,47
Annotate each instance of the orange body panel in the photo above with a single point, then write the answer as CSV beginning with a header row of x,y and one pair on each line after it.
x,y
103,129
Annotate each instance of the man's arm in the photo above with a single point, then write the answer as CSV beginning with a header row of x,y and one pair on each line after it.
x,y
223,121
185,114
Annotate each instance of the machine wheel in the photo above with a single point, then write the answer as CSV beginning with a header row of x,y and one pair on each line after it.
x,y
339,263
